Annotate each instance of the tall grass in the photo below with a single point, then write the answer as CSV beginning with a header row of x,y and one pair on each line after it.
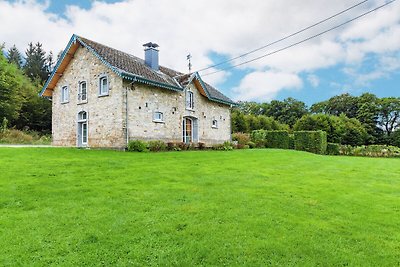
x,y
13,136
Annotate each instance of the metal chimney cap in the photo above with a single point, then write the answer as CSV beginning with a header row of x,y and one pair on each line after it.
x,y
151,45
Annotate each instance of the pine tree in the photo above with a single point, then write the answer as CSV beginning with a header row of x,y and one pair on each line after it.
x,y
14,56
35,66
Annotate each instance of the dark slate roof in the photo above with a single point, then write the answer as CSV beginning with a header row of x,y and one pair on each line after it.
x,y
131,67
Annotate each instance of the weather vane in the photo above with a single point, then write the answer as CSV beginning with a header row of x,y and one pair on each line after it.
x,y
188,58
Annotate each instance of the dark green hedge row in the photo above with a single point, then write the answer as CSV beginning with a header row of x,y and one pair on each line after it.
x,y
277,139
311,141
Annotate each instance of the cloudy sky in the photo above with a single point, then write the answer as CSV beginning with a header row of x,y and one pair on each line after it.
x,y
363,56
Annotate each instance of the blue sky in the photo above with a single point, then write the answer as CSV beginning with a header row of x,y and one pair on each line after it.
x,y
362,57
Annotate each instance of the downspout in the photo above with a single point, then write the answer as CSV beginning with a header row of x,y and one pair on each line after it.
x,y
127,111
126,117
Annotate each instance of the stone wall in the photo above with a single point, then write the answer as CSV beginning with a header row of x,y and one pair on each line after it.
x,y
107,115
144,101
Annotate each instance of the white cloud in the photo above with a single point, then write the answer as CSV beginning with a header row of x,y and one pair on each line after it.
x,y
265,85
313,80
224,27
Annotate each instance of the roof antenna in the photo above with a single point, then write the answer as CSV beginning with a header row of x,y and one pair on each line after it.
x,y
188,57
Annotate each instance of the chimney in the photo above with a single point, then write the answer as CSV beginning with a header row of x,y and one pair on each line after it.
x,y
151,55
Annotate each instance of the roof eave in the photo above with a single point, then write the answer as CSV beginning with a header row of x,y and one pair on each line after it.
x,y
133,77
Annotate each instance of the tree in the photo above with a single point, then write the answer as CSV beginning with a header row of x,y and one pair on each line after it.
x,y
389,114
14,56
367,114
337,105
12,82
287,111
238,121
340,129
35,66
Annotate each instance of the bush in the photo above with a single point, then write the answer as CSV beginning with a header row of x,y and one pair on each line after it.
x,y
182,146
311,141
241,138
333,149
201,146
157,146
137,145
225,146
277,139
13,136
258,137
370,151
252,144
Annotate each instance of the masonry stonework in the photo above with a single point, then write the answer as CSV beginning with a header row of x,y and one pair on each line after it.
x,y
129,109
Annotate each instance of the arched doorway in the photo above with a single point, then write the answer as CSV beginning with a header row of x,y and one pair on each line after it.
x,y
190,130
82,135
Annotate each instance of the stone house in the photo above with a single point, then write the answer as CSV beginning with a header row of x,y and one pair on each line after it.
x,y
103,97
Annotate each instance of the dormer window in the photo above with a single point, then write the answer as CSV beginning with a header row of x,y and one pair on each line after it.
x,y
103,86
189,100
64,94
214,124
82,93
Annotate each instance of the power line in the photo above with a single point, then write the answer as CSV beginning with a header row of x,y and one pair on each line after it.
x,y
286,37
302,41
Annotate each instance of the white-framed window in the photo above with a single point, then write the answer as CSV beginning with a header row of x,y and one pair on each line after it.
x,y
214,124
103,85
189,100
158,116
82,91
64,94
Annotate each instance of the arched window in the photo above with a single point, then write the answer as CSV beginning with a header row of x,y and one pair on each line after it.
x,y
82,129
103,85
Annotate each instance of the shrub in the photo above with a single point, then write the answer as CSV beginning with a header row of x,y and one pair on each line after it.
x,y
157,146
311,141
370,151
277,139
225,146
171,146
258,138
333,149
137,145
241,138
201,146
182,146
252,144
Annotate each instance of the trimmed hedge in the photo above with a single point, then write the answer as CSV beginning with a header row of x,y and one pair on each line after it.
x,y
311,141
277,139
333,149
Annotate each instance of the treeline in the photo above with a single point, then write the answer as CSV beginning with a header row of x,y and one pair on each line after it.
x,y
347,119
21,79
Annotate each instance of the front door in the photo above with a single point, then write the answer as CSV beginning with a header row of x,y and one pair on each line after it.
x,y
82,133
187,130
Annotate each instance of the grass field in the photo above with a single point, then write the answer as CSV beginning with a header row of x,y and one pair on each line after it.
x,y
242,207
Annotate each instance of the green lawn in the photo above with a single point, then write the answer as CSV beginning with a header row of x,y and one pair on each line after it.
x,y
243,207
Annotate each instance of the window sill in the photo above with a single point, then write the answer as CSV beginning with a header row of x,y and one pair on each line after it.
x,y
190,109
158,121
104,95
82,102
65,102
214,127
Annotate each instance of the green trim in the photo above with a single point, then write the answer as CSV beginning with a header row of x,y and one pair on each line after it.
x,y
71,41
197,76
131,76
